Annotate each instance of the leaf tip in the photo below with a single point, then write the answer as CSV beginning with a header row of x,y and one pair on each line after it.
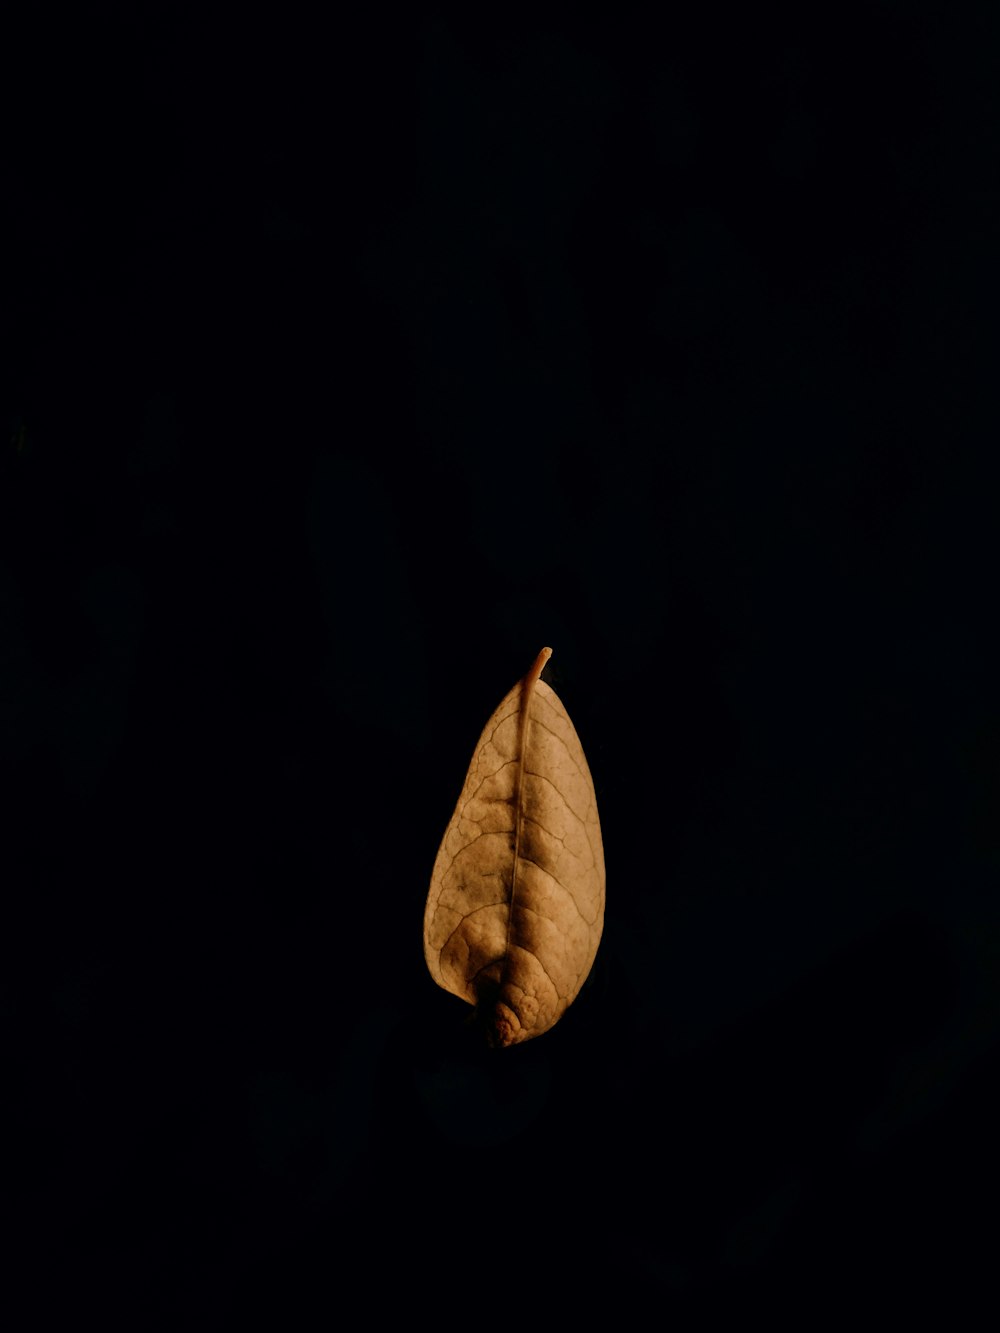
x,y
503,1027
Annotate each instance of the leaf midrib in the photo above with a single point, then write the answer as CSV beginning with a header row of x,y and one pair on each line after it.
x,y
524,726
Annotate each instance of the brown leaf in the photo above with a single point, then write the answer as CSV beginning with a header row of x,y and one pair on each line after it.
x,y
516,904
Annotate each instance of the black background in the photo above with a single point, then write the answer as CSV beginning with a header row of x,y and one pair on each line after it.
x,y
351,361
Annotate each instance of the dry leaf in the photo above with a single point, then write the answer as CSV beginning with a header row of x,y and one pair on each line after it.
x,y
516,903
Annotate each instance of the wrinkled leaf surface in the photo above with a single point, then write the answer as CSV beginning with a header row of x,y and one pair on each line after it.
x,y
516,903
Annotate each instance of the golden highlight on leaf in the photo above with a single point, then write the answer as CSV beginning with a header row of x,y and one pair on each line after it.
x,y
516,904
